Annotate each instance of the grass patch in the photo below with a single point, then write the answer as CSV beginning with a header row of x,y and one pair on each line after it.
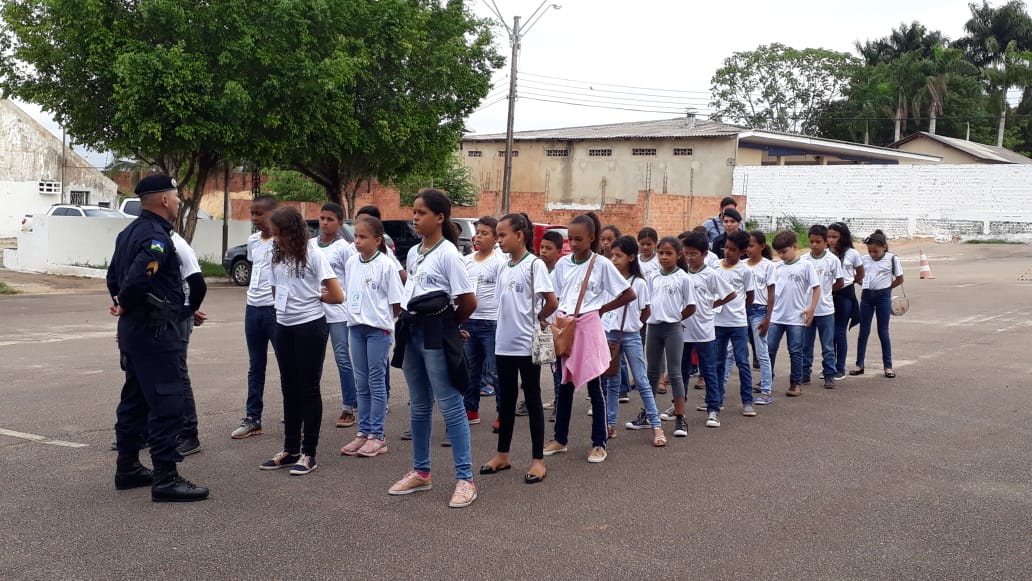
x,y
992,241
801,229
7,290
212,269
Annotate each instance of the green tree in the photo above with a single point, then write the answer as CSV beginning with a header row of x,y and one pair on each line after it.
x,y
911,38
779,88
291,185
451,177
940,68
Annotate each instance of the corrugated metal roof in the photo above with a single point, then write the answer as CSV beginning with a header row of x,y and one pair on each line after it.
x,y
990,153
665,128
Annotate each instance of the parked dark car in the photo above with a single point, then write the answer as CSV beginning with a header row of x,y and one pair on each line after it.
x,y
467,234
404,235
238,267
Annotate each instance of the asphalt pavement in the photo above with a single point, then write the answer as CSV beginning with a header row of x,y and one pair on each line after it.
x,y
927,476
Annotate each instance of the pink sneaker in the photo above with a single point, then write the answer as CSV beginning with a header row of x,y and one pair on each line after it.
x,y
352,447
411,482
373,447
465,494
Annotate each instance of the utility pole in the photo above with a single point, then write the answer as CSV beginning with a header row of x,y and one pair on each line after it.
x,y
516,34
507,172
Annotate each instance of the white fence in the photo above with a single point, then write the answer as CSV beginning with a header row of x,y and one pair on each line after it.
x,y
76,245
945,202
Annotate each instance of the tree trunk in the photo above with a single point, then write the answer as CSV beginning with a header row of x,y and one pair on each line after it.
x,y
1002,127
187,222
931,121
898,125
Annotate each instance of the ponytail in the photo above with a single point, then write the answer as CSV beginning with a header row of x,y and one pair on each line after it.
x,y
521,223
878,239
594,225
438,203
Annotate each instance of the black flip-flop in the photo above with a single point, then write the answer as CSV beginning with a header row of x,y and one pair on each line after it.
x,y
855,372
533,478
486,469
890,374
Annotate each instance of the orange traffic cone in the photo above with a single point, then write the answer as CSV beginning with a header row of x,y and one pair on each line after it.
x,y
926,270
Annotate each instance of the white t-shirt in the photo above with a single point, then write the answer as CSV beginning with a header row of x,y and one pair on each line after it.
x,y
879,274
849,263
632,323
605,284
712,260
829,269
370,288
483,276
762,278
739,278
670,294
793,290
512,287
438,269
708,287
259,253
338,253
649,266
298,292
188,264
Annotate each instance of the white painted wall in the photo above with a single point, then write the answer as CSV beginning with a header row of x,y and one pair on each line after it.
x,y
945,202
57,242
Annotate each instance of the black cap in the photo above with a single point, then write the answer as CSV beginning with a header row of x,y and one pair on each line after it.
x,y
156,183
733,213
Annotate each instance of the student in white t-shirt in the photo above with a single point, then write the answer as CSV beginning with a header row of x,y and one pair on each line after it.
x,y
830,275
648,238
797,291
372,297
430,345
847,308
259,314
479,329
550,250
338,251
302,280
672,301
604,289
194,288
883,272
525,302
761,308
732,322
699,333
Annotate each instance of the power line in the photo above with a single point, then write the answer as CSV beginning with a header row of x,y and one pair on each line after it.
x,y
670,108
619,86
594,90
600,106
598,95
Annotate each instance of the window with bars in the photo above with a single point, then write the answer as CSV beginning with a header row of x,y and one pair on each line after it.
x,y
600,153
683,151
49,187
79,198
557,152
515,153
643,151
475,153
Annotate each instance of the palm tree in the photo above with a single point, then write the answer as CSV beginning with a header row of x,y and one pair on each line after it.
x,y
905,39
990,34
944,64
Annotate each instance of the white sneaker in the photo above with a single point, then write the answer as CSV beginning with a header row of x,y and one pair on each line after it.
x,y
589,411
712,420
668,415
548,405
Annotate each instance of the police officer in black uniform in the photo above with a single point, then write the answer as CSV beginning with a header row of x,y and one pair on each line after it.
x,y
147,290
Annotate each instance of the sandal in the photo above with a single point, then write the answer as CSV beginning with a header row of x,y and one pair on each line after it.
x,y
488,469
890,374
659,440
531,478
857,371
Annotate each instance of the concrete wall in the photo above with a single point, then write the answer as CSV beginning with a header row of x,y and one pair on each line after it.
x,y
30,154
945,202
582,179
57,242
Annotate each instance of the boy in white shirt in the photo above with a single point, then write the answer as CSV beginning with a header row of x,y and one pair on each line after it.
x,y
732,322
830,274
796,294
481,327
338,251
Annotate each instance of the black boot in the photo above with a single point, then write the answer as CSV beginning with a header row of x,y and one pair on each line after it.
x,y
188,446
129,473
169,486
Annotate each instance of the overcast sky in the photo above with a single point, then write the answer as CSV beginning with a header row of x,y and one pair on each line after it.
x,y
666,50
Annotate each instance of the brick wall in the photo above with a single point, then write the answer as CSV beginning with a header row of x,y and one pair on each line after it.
x,y
946,202
670,214
238,182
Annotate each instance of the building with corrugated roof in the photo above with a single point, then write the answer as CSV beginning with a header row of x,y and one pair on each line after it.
x,y
957,151
597,164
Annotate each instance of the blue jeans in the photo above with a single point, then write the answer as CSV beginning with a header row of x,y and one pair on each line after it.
x,y
872,303
557,378
796,340
339,341
564,409
369,347
738,339
707,352
756,315
480,358
824,326
633,356
259,331
426,372
847,309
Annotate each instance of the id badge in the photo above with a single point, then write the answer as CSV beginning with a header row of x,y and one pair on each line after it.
x,y
281,299
355,301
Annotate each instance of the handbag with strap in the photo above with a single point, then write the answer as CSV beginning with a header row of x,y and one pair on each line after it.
x,y
900,304
563,328
615,349
542,344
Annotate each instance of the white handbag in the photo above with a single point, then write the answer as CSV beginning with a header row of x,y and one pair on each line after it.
x,y
542,344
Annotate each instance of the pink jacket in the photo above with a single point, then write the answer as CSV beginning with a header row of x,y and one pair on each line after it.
x,y
590,356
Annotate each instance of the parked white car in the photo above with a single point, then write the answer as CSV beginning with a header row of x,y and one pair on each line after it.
x,y
131,207
74,210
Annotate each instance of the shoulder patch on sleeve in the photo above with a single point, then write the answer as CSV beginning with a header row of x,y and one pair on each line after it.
x,y
157,245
